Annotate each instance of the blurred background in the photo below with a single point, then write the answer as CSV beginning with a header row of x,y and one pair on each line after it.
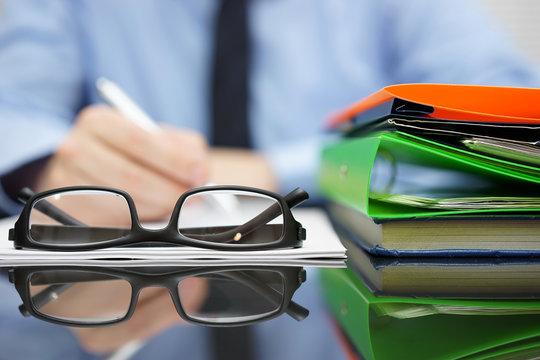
x,y
520,18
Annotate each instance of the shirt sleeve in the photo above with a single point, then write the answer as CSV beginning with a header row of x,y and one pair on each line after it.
x,y
40,81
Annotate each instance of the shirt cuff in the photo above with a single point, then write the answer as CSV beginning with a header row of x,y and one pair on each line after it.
x,y
30,137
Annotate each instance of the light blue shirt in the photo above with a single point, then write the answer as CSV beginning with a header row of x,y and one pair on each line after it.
x,y
309,59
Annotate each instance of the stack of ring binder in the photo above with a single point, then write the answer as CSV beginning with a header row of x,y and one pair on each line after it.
x,y
435,192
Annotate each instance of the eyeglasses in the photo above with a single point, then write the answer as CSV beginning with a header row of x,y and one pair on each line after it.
x,y
96,296
88,217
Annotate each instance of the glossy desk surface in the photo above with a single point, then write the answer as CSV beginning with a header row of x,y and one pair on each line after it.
x,y
347,317
277,336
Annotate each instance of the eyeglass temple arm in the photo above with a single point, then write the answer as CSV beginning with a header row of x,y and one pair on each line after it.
x,y
296,197
45,296
49,209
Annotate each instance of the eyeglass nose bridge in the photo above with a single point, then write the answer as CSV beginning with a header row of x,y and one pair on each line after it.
x,y
171,285
171,236
141,236
143,286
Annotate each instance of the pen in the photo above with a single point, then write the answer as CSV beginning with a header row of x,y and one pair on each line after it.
x,y
118,99
115,96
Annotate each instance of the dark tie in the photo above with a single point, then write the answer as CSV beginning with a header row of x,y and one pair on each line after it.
x,y
230,129
230,76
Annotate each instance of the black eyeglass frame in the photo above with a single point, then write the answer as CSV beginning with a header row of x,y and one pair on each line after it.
x,y
293,277
292,234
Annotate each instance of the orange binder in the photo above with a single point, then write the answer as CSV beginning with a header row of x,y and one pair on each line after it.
x,y
470,103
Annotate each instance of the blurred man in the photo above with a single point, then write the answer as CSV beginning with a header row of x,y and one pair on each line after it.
x,y
299,61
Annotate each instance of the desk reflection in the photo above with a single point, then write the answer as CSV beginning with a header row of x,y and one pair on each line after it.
x,y
213,296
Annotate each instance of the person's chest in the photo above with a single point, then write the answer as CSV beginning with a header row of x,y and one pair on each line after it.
x,y
308,58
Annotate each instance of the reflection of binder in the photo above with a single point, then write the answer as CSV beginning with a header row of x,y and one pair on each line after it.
x,y
379,333
397,175
466,103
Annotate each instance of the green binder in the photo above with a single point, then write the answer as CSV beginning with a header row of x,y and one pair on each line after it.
x,y
393,175
509,331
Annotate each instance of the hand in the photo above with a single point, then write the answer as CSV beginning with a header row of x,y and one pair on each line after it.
x,y
106,149
229,166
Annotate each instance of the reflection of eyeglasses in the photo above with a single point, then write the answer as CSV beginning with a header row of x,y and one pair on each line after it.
x,y
227,296
87,218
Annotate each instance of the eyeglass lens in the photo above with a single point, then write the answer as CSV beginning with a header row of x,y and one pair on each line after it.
x,y
92,216
235,217
236,296
76,296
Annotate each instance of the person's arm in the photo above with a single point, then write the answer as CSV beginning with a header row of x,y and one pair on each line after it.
x,y
105,149
43,85
443,41
279,169
235,166
40,83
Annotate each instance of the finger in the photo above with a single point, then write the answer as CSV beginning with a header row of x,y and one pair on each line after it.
x,y
154,194
89,168
228,166
185,142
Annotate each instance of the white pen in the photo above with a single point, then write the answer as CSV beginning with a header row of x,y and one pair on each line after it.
x,y
118,99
